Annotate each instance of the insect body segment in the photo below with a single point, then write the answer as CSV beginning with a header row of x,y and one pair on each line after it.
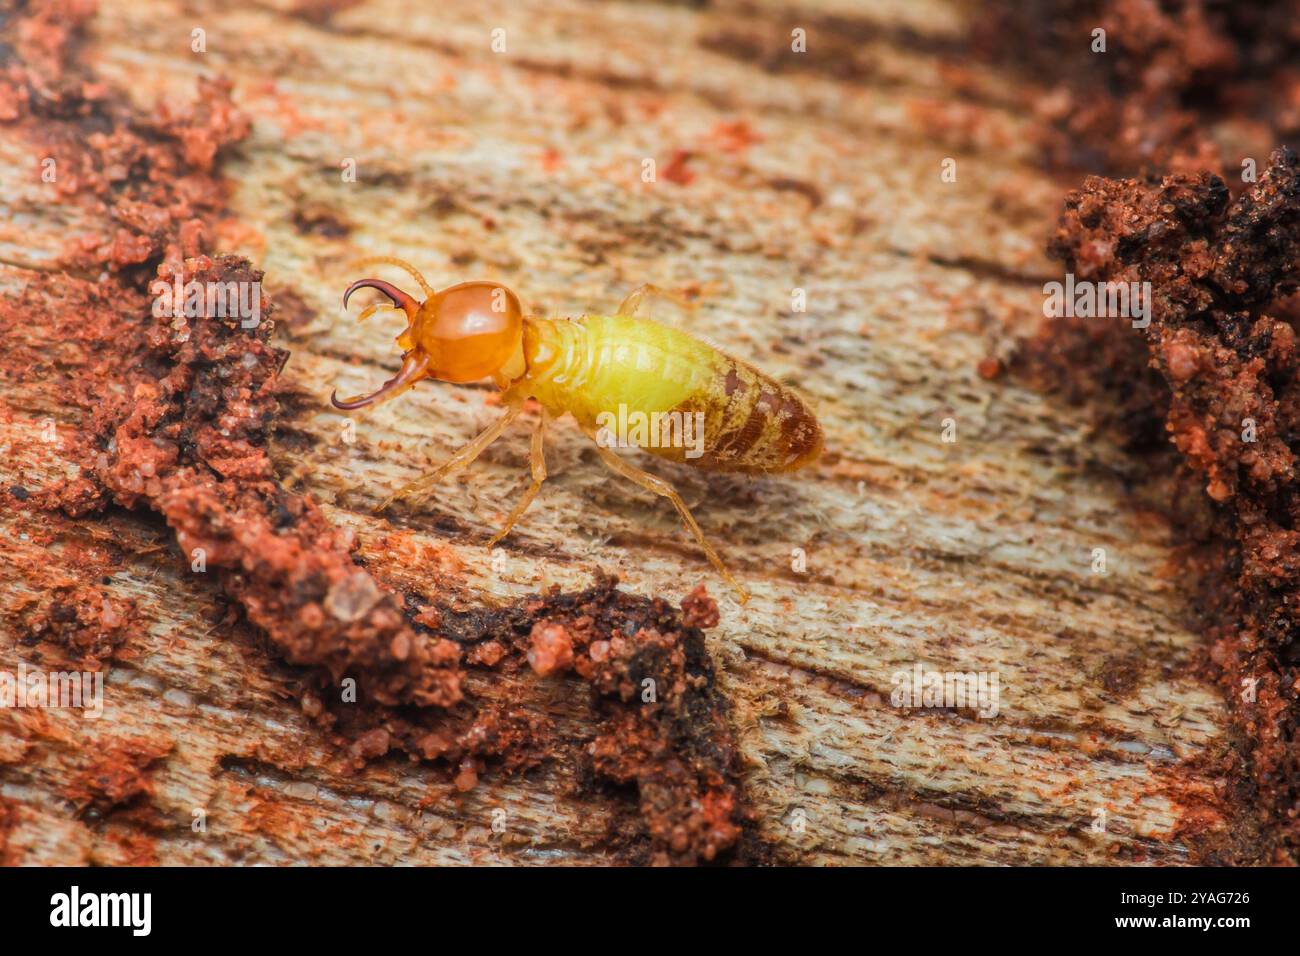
x,y
608,371
683,399
627,381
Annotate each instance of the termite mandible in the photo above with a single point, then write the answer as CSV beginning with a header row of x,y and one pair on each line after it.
x,y
588,367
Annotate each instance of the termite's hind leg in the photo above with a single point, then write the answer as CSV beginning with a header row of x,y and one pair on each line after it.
x,y
638,300
420,487
537,461
664,489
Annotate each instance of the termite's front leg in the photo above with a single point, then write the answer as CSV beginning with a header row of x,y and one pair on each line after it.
x,y
420,487
537,460
664,489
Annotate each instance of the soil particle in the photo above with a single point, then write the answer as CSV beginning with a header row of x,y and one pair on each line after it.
x,y
83,619
487,654
552,649
699,610
119,777
989,368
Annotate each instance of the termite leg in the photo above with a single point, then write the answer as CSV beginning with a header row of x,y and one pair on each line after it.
x,y
419,488
537,460
664,489
370,310
639,298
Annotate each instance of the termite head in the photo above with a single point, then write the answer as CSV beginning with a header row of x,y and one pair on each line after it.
x,y
464,333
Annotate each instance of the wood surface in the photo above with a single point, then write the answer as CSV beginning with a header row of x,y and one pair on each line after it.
x,y
775,173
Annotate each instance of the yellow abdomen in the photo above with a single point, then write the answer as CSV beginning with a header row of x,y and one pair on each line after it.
x,y
634,382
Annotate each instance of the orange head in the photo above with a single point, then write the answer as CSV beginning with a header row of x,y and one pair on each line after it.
x,y
462,334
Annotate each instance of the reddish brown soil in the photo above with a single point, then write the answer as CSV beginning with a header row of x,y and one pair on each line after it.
x,y
116,778
1183,85
8,815
1192,88
663,726
81,618
1222,359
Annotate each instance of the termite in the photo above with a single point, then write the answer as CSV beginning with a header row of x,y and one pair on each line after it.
x,y
593,368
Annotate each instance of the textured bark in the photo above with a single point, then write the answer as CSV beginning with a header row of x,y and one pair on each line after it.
x,y
776,172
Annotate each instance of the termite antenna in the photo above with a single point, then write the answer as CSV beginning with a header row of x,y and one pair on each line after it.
x,y
401,264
